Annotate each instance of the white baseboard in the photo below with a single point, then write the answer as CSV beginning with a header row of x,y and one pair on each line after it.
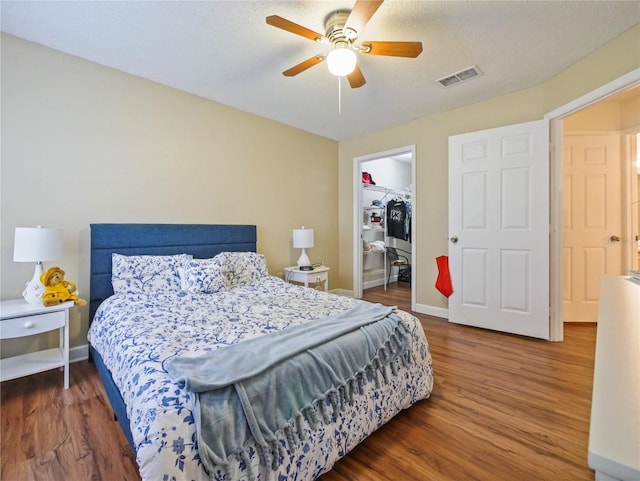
x,y
342,292
379,282
433,311
370,284
79,353
373,278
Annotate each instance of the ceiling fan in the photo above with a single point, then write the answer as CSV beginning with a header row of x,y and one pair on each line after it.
x,y
342,30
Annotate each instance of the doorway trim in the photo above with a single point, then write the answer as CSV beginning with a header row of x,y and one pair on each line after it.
x,y
631,229
357,215
556,320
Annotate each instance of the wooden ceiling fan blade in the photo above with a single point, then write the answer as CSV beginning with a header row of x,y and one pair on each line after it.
x,y
289,26
302,66
361,13
356,79
393,49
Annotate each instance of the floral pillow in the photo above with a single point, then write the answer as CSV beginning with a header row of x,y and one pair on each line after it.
x,y
204,276
146,274
243,267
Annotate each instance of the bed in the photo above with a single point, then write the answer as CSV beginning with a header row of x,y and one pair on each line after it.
x,y
216,370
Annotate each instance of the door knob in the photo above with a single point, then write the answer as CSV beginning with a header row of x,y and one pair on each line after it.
x,y
454,239
614,238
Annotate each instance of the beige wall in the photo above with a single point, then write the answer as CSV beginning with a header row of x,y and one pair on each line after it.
x,y
609,114
630,112
82,143
430,135
601,116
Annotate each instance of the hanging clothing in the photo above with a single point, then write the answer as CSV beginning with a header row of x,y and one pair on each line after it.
x,y
396,219
407,221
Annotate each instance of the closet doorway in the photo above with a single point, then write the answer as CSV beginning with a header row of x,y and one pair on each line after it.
x,y
384,220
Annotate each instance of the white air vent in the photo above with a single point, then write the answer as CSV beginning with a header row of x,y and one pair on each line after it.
x,y
459,77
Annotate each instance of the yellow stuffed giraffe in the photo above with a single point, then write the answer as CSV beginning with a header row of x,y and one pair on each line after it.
x,y
57,290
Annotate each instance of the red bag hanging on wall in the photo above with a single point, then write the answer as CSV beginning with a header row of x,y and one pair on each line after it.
x,y
443,282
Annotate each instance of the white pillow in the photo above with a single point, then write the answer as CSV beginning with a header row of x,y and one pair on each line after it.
x,y
243,267
204,276
146,274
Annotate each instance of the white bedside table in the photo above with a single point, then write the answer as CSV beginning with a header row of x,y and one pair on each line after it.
x,y
21,319
317,275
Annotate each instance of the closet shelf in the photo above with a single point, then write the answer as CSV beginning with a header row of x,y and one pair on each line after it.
x,y
386,190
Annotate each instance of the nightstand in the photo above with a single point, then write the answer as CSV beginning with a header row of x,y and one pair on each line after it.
x,y
317,275
21,319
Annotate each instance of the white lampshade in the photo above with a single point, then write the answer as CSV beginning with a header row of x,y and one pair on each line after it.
x,y
36,244
303,239
341,61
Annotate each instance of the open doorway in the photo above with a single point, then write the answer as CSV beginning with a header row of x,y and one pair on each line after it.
x,y
389,186
576,116
599,184
631,148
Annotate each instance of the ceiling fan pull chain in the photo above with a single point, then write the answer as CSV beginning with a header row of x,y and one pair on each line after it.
x,y
339,97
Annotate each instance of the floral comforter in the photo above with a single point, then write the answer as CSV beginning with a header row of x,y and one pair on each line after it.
x,y
135,334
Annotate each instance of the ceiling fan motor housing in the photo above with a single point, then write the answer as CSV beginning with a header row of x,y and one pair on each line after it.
x,y
335,31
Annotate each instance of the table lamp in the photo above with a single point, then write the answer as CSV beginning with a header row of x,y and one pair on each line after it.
x,y
303,239
36,244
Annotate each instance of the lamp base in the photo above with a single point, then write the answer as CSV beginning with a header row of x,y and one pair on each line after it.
x,y
303,260
34,290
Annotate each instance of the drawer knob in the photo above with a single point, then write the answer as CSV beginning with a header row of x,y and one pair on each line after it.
x,y
29,324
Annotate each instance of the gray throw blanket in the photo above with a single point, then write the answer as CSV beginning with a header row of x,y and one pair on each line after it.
x,y
263,388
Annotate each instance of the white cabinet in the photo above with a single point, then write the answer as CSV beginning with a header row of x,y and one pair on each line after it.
x,y
614,431
21,319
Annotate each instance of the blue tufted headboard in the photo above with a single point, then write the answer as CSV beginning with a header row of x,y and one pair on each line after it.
x,y
200,240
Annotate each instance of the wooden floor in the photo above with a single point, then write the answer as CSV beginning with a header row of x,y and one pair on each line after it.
x,y
503,408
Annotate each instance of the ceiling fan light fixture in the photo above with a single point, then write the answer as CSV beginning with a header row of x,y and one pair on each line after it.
x,y
341,61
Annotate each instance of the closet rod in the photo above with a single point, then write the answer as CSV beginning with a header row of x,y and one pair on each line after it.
x,y
386,190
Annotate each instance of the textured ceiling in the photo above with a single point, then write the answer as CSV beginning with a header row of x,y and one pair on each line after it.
x,y
225,51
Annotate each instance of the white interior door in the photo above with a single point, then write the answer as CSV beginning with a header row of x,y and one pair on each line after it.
x,y
592,229
499,229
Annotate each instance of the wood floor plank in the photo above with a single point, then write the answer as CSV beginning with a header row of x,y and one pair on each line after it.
x,y
503,408
64,435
